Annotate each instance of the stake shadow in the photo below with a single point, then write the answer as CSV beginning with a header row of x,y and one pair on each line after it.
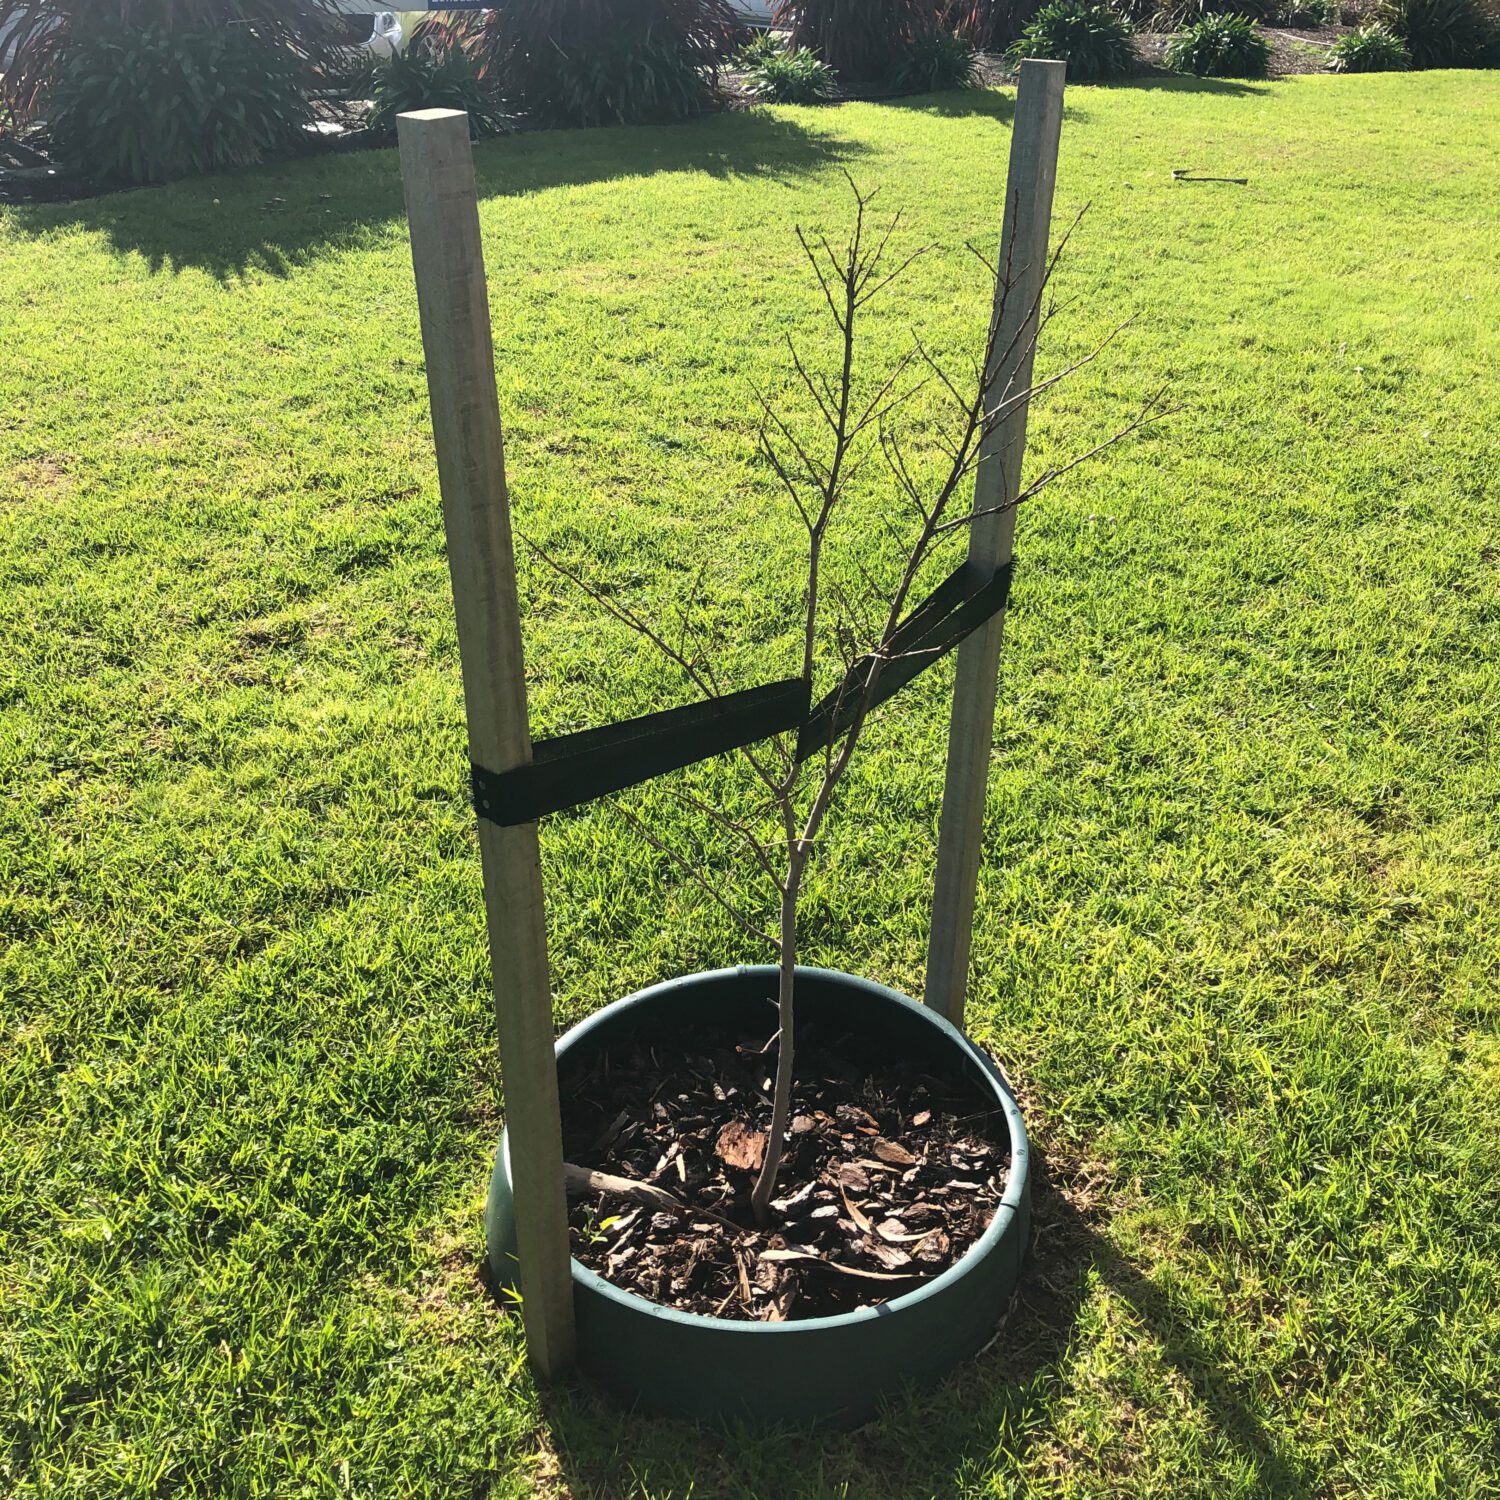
x,y
277,218
1153,77
997,100
992,101
940,1442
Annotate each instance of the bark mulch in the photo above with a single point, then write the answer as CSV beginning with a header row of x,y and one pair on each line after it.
x,y
890,1174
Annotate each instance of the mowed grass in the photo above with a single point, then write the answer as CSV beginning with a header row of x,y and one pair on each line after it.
x,y
1239,926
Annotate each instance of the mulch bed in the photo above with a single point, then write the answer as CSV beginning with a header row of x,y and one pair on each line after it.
x,y
1294,50
889,1175
1302,49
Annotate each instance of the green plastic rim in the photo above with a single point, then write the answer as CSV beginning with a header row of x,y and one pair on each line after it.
x,y
660,1360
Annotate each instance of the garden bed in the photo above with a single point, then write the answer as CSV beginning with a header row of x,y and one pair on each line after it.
x,y
1294,51
28,173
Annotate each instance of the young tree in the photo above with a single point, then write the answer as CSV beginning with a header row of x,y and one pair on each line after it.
x,y
852,419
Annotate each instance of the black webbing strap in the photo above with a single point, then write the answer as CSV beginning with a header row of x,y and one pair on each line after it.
x,y
957,607
576,768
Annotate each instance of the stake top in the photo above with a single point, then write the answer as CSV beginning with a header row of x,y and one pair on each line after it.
x,y
430,116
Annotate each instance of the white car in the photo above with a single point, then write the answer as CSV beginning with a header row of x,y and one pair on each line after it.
x,y
376,33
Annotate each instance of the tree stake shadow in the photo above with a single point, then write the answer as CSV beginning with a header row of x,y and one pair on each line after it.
x,y
990,1413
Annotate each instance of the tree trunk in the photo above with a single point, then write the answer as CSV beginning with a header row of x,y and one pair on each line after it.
x,y
781,1099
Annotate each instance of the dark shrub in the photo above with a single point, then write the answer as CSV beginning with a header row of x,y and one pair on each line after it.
x,y
762,46
785,77
1220,47
939,61
1443,33
146,104
989,25
432,73
42,35
860,39
599,62
1371,49
1335,12
1092,39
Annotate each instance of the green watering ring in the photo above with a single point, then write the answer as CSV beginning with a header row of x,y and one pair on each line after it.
x,y
838,1369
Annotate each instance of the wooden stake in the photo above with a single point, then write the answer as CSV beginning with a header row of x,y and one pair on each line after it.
x,y
1023,251
437,170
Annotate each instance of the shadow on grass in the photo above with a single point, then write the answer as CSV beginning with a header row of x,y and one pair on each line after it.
x,y
1185,83
996,103
985,1417
276,218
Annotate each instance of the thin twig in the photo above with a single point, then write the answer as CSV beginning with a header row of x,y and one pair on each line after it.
x,y
694,874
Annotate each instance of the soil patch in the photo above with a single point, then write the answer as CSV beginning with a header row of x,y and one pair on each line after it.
x,y
890,1174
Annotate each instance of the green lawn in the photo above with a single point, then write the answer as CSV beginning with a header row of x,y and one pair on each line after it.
x,y
1240,918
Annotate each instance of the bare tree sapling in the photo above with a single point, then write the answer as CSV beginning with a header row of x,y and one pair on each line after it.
x,y
851,419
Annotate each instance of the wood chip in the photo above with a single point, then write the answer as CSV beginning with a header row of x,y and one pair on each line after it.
x,y
888,1255
934,1247
889,1151
794,1200
785,1297
853,1177
921,1118
741,1146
